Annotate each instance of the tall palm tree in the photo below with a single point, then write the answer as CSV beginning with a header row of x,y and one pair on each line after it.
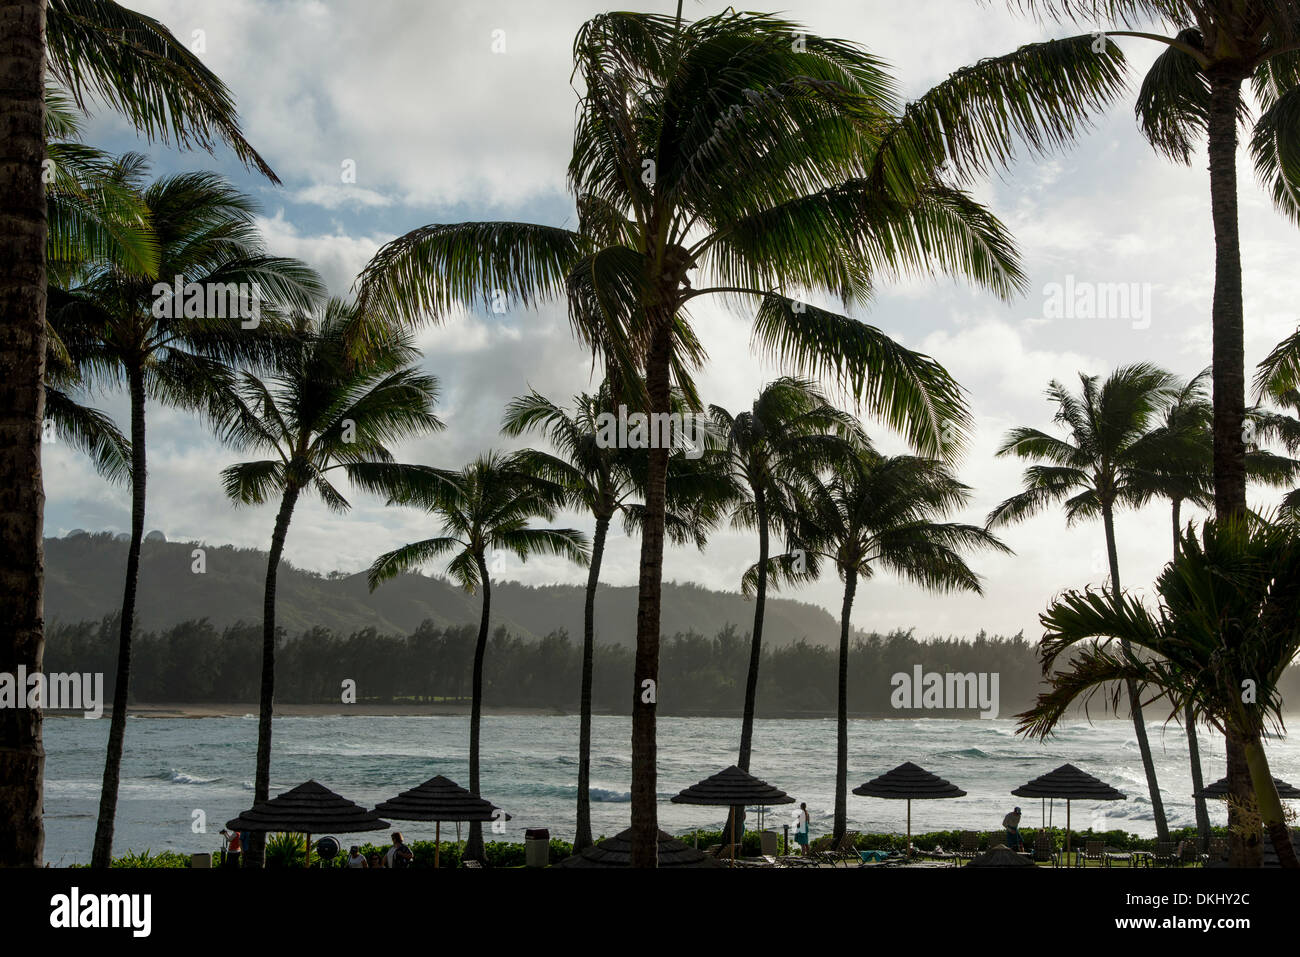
x,y
488,506
1189,478
607,481
789,429
121,327
1227,628
1106,463
770,163
874,513
1194,91
323,407
101,51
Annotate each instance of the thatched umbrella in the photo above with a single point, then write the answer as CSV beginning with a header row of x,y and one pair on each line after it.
x,y
909,782
617,852
1070,783
438,799
309,809
1219,789
731,788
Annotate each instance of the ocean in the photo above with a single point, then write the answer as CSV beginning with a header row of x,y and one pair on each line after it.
x,y
183,774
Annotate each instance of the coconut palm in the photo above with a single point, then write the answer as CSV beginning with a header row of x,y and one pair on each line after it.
x,y
739,156
878,513
1107,462
98,51
1194,92
322,408
1277,381
789,430
1227,627
120,327
486,507
608,481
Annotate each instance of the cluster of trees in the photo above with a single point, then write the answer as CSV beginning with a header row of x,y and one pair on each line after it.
x,y
192,662
694,175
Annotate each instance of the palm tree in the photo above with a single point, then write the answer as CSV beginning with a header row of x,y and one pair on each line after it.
x,y
322,408
486,507
770,162
1194,89
1224,633
120,326
606,481
1189,478
789,430
101,51
878,513
1108,462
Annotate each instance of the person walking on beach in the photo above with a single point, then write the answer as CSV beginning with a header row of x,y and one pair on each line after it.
x,y
399,855
356,858
801,830
1012,823
233,848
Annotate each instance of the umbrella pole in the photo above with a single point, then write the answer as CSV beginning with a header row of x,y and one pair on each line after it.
x,y
307,856
437,841
733,836
909,827
1067,828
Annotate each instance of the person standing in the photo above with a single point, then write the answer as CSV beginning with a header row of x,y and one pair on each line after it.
x,y
234,848
356,858
399,855
1012,823
801,830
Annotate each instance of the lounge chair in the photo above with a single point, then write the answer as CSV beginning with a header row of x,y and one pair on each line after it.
x,y
1167,854
1218,851
970,845
1092,851
1043,849
843,852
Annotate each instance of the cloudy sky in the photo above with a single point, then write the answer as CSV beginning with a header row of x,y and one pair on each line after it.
x,y
464,111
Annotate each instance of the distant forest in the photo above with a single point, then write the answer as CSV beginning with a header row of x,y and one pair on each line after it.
x,y
193,662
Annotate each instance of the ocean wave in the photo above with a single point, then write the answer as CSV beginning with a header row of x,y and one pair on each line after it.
x,y
183,777
963,753
610,797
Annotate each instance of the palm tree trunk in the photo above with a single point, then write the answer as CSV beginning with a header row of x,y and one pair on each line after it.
x,y
1244,847
1228,371
474,843
1270,805
644,850
1134,700
22,408
736,816
102,853
583,837
1189,721
262,781
842,716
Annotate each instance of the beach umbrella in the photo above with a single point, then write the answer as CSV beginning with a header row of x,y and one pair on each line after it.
x,y
730,788
1219,789
909,782
1070,783
439,799
309,809
617,852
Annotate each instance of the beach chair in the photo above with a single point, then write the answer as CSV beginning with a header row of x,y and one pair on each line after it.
x,y
1092,851
1188,854
1218,851
1043,849
970,845
1167,854
473,865
843,852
